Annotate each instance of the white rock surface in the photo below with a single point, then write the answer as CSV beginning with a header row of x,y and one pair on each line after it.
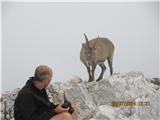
x,y
94,99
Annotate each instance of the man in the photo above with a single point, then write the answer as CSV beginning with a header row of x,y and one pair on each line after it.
x,y
32,102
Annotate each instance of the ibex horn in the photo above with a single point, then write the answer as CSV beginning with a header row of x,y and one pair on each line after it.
x,y
86,40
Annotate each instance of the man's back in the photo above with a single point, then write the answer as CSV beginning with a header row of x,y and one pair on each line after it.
x,y
33,104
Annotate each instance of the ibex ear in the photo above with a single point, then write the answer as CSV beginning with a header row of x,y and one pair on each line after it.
x,y
83,45
94,48
95,43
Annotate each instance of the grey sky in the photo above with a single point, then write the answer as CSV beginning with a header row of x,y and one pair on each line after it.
x,y
52,34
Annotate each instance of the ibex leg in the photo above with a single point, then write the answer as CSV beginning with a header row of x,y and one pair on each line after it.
x,y
93,71
89,73
110,65
103,67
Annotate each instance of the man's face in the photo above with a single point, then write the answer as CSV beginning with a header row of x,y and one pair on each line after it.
x,y
48,80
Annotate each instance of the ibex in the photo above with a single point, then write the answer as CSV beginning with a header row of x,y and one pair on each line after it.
x,y
95,52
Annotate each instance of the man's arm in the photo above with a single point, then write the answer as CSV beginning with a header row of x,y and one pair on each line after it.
x,y
53,105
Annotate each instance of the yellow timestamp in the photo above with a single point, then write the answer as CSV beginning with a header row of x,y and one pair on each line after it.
x,y
130,103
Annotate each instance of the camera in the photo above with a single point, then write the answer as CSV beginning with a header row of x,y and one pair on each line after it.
x,y
67,104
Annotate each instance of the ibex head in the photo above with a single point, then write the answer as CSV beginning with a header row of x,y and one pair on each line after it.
x,y
89,51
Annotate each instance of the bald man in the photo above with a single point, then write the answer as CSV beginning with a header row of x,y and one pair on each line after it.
x,y
32,102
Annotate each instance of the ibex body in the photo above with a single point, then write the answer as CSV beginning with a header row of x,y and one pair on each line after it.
x,y
96,52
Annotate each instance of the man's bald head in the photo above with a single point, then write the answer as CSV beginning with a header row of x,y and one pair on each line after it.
x,y
43,72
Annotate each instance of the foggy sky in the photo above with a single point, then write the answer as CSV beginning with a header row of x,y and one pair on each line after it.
x,y
52,34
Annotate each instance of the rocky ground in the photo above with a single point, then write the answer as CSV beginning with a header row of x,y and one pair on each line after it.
x,y
98,100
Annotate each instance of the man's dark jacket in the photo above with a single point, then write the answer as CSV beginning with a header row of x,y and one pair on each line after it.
x,y
33,104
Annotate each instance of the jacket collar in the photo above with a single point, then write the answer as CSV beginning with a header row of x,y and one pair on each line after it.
x,y
31,84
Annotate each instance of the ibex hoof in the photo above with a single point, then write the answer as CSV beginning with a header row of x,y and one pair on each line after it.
x,y
90,80
98,80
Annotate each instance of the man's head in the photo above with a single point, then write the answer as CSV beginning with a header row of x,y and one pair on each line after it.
x,y
43,75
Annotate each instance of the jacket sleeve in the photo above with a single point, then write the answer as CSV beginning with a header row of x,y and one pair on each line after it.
x,y
53,105
27,108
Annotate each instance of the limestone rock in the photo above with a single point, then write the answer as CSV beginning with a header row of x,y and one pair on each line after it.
x,y
95,99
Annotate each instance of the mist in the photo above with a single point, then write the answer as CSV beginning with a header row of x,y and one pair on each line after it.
x,y
52,34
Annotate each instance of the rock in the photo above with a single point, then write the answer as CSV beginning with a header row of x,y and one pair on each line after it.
x,y
98,100
105,112
74,80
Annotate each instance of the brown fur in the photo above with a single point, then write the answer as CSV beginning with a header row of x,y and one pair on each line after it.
x,y
96,52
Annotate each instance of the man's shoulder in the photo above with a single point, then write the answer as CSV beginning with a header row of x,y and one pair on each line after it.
x,y
25,91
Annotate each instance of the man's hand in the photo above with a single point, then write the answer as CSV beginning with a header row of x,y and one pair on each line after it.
x,y
59,109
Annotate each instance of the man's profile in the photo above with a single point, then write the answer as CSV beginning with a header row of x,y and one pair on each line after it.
x,y
32,102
